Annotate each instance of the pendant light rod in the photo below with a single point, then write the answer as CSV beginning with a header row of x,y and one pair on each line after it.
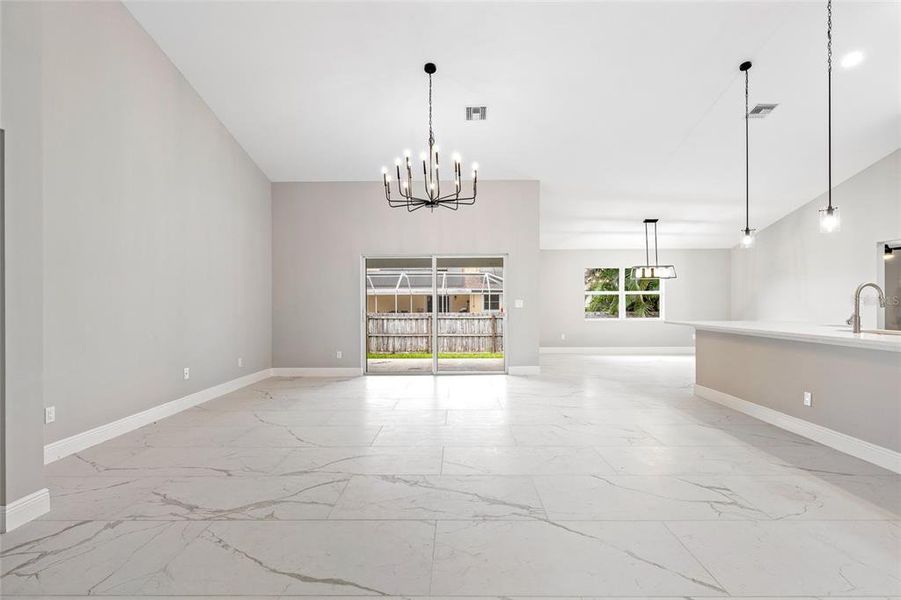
x,y
829,217
745,67
647,257
829,94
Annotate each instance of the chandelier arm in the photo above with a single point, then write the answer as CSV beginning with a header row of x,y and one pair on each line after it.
x,y
425,178
451,196
468,201
409,193
437,178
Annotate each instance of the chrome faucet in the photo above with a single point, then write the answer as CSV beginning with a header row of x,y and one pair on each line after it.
x,y
854,321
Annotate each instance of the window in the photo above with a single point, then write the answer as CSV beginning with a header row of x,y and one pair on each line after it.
x,y
443,304
491,302
614,293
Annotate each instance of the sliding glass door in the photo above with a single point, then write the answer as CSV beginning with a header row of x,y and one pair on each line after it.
x,y
399,323
436,314
470,333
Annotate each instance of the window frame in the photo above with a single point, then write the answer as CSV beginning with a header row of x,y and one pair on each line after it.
x,y
622,293
486,302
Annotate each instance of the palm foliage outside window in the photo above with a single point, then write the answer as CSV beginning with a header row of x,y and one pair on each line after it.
x,y
614,293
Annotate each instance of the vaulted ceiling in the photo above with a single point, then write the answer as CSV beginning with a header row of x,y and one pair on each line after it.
x,y
622,110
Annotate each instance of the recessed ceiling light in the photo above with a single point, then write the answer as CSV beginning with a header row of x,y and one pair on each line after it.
x,y
852,59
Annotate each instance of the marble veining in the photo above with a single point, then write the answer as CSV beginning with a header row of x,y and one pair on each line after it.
x,y
600,478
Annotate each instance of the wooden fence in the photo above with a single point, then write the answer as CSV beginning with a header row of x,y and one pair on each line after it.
x,y
393,333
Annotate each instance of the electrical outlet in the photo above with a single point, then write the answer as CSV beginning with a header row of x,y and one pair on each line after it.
x,y
518,303
240,361
187,373
808,399
563,336
49,414
339,354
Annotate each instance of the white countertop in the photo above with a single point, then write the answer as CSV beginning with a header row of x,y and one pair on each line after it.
x,y
837,335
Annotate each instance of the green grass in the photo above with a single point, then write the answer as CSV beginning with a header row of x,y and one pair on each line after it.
x,y
440,355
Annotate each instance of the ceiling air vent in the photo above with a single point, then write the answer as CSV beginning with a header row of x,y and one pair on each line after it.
x,y
761,110
476,113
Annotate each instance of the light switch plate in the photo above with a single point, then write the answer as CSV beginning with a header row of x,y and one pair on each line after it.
x,y
518,303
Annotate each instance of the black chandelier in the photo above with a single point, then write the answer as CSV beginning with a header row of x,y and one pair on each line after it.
x,y
431,175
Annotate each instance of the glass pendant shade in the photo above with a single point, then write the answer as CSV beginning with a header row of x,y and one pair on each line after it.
x,y
747,238
830,220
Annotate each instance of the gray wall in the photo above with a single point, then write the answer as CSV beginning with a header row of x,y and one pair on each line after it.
x,y
321,230
23,437
854,391
700,292
148,228
796,273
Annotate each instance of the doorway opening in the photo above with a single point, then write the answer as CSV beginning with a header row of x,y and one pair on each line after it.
x,y
434,314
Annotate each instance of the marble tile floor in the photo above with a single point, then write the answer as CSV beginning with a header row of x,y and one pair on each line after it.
x,y
604,477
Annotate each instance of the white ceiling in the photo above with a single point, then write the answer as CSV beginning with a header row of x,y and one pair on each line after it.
x,y
623,110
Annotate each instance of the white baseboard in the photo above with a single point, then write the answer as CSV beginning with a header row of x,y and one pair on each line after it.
x,y
78,442
878,455
24,509
627,350
525,370
317,372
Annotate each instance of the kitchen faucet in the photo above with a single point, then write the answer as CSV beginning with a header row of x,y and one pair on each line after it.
x,y
854,320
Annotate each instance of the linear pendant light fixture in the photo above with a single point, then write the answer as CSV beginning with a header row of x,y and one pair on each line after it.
x,y
829,217
432,197
647,270
747,234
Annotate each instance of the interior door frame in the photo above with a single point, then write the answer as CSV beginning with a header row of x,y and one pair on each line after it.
x,y
364,303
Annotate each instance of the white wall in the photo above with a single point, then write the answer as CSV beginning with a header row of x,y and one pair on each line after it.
x,y
796,273
700,292
154,225
321,231
22,452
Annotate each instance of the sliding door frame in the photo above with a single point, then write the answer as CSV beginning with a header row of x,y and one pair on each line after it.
x,y
364,303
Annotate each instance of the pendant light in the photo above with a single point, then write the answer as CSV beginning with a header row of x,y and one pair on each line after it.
x,y
656,270
747,234
829,217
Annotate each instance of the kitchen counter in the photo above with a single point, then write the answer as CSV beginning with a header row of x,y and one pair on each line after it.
x,y
820,381
836,335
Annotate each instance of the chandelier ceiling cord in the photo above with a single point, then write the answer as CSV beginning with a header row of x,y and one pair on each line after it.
x,y
431,174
